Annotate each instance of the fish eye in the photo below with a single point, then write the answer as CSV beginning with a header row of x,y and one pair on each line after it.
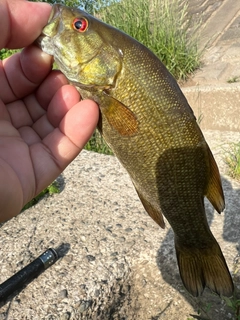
x,y
80,24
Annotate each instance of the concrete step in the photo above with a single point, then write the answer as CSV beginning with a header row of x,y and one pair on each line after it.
x,y
215,107
214,90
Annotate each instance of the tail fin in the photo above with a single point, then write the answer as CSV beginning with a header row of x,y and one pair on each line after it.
x,y
204,267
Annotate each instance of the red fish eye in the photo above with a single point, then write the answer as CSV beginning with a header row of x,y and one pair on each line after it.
x,y
80,24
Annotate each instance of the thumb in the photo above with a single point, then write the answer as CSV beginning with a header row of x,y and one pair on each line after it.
x,y
21,22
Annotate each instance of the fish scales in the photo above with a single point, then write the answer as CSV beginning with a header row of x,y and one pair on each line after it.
x,y
147,122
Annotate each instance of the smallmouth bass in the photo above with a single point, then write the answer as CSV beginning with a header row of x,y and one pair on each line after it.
x,y
152,130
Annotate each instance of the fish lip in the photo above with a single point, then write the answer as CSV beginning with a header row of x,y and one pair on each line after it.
x,y
54,14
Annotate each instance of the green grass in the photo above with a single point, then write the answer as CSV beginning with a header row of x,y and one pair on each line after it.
x,y
5,53
234,304
232,159
97,144
161,25
206,310
53,188
234,79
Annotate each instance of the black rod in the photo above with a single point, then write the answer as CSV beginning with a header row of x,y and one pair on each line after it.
x,y
25,275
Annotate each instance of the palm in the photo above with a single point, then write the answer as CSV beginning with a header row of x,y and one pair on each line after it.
x,y
43,126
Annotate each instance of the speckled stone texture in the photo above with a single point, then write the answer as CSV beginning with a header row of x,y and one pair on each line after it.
x,y
116,262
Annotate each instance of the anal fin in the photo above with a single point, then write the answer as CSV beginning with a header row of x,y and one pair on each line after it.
x,y
155,214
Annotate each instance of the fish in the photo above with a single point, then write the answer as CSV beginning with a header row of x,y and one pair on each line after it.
x,y
152,130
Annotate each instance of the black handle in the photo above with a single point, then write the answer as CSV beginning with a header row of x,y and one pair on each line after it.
x,y
32,270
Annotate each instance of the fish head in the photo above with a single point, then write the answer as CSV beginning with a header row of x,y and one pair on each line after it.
x,y
81,48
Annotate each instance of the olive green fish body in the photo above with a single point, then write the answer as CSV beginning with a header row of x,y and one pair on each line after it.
x,y
152,130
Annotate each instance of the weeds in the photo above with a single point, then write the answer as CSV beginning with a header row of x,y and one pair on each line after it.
x,y
97,144
53,188
232,159
5,53
234,79
234,304
205,311
200,119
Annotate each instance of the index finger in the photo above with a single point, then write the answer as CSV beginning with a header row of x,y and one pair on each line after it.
x,y
21,22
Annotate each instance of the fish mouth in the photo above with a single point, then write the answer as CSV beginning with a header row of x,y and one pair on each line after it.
x,y
45,44
44,41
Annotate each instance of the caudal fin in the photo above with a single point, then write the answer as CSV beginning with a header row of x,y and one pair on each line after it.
x,y
200,268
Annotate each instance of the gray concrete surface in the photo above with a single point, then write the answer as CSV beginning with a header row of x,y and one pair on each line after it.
x,y
116,263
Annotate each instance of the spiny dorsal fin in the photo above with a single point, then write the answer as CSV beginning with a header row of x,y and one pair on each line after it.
x,y
156,215
214,191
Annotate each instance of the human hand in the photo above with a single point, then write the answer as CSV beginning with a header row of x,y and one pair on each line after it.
x,y
43,126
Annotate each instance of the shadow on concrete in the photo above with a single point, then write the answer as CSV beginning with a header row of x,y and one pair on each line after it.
x,y
231,228
205,305
61,182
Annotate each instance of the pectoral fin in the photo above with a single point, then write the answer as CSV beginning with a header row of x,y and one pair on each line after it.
x,y
214,191
120,117
156,215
